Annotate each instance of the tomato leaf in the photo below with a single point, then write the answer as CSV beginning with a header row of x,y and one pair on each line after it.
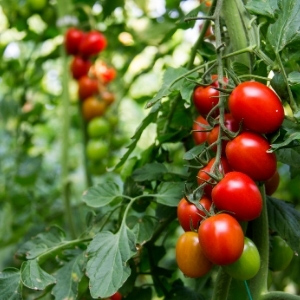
x,y
194,152
101,194
286,29
285,219
10,284
151,171
265,8
170,193
34,277
107,265
41,243
68,278
290,156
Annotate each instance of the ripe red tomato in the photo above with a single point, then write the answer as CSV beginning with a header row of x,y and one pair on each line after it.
x,y
230,123
247,153
272,184
87,87
238,194
205,98
257,106
92,43
73,38
247,266
80,67
199,135
202,175
190,257
92,107
189,216
221,238
116,296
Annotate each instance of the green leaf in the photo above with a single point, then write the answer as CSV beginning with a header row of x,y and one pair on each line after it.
x,y
10,284
290,156
151,118
140,293
34,277
170,193
143,228
68,278
6,221
194,152
102,194
107,266
151,171
286,29
265,8
53,237
285,220
187,90
288,139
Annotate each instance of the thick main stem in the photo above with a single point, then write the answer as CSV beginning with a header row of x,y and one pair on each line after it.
x,y
222,286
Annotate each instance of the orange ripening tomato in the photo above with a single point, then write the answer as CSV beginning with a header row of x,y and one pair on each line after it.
x,y
92,108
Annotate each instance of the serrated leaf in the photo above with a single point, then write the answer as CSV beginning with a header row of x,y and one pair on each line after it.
x,y
34,277
10,284
102,194
170,193
187,90
194,152
41,243
285,219
68,278
143,228
151,171
286,29
265,8
107,266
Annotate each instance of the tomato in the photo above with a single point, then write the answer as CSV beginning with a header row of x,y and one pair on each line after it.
x,y
80,67
103,72
118,140
73,38
230,123
108,97
37,4
116,296
238,194
279,85
247,153
190,257
96,149
208,3
92,108
98,127
87,87
189,216
248,265
272,184
205,98
221,238
202,175
92,43
199,135
257,106
280,254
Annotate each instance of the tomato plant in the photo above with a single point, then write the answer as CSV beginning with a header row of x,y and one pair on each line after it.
x,y
221,239
247,266
248,153
195,264
238,194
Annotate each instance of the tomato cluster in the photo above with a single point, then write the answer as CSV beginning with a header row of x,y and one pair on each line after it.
x,y
93,77
228,180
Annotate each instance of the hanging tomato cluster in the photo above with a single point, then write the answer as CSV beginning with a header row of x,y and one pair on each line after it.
x,y
93,77
237,149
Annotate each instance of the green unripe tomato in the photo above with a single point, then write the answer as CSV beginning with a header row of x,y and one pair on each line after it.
x,y
247,265
98,127
37,4
118,140
280,254
96,149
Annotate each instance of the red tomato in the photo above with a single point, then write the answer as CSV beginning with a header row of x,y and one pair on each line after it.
x,y
205,98
230,123
92,43
80,67
189,216
247,153
199,135
238,194
272,184
116,296
73,38
87,87
221,238
257,106
203,176
190,257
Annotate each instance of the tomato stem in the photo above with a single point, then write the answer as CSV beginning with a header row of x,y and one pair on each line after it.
x,y
222,286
